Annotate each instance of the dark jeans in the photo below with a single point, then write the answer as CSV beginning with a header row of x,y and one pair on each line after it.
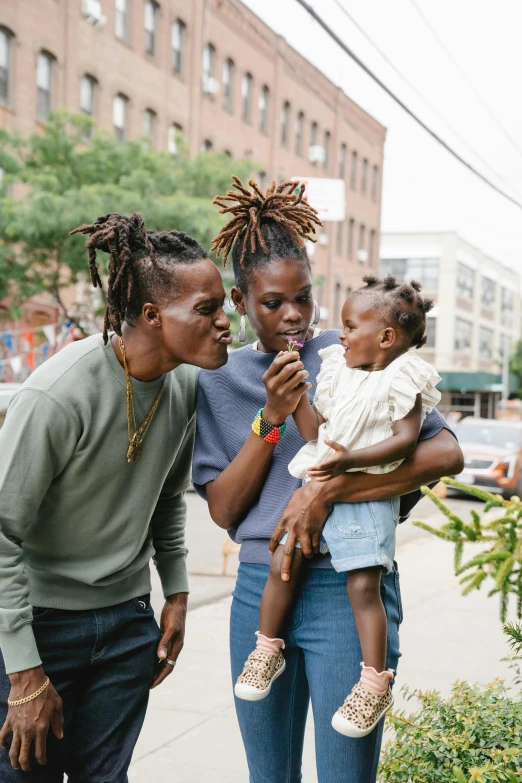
x,y
102,663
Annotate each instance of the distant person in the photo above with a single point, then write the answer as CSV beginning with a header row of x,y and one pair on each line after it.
x,y
96,452
372,397
243,473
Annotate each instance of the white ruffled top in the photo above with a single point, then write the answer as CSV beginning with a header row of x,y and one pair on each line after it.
x,y
360,407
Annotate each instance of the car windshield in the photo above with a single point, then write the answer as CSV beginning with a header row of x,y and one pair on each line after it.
x,y
489,435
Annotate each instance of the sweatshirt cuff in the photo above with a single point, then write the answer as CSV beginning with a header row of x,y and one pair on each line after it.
x,y
19,649
172,570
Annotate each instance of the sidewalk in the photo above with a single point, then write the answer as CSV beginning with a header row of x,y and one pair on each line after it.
x,y
190,732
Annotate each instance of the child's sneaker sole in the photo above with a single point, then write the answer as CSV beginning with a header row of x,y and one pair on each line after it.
x,y
348,729
249,693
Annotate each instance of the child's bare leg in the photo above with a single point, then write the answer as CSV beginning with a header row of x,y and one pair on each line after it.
x,y
364,592
278,596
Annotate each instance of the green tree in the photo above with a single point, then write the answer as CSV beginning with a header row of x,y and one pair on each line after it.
x,y
69,174
515,366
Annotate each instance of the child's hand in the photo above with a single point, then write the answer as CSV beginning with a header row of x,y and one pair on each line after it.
x,y
338,464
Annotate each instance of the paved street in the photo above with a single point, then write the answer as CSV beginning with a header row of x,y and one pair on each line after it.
x,y
191,734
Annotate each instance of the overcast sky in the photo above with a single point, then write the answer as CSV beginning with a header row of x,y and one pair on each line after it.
x,y
425,189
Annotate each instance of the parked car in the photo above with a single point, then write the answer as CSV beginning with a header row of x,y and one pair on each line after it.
x,y
492,454
6,392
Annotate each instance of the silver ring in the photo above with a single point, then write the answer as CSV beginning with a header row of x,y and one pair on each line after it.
x,y
172,663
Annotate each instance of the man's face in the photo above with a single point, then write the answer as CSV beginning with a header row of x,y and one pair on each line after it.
x,y
195,329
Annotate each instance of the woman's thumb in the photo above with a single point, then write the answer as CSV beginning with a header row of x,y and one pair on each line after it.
x,y
333,445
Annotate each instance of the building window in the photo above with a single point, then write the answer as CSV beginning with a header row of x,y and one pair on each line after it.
x,y
246,97
178,45
120,106
342,161
337,304
375,181
175,133
263,108
5,65
228,84
326,162
353,171
463,334
209,67
299,130
206,146
507,300
488,293
465,281
149,124
485,343
122,19
431,332
371,246
425,270
44,81
362,239
261,180
364,175
151,20
339,238
285,121
351,232
87,95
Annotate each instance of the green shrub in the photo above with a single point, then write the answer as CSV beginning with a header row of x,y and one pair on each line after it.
x,y
473,736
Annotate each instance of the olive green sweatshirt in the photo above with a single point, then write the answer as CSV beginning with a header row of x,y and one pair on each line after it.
x,y
78,523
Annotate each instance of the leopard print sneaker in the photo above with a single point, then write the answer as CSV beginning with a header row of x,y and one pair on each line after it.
x,y
260,671
361,711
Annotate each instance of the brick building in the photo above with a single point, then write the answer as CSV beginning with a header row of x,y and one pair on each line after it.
x,y
213,71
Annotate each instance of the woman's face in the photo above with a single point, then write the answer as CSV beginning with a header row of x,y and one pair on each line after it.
x,y
279,304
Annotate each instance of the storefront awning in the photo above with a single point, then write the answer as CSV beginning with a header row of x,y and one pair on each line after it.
x,y
474,382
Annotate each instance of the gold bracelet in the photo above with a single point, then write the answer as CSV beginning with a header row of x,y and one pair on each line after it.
x,y
35,695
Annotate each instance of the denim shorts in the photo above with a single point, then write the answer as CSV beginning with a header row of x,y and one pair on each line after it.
x,y
360,535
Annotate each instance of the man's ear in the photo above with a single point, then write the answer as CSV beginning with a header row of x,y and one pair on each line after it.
x,y
388,338
151,315
238,299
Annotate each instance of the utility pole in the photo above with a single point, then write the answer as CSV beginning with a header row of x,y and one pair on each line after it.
x,y
506,351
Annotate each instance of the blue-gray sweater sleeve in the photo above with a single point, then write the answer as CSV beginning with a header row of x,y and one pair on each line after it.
x,y
209,458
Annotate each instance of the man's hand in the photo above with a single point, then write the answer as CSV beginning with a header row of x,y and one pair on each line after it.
x,y
29,723
339,463
303,519
172,626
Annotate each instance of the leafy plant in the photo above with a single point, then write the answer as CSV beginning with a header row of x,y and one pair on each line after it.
x,y
66,175
473,736
501,562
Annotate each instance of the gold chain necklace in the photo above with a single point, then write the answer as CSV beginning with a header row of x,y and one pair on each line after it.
x,y
135,440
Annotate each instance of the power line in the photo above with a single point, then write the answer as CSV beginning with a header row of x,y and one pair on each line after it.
x,y
403,106
421,96
470,84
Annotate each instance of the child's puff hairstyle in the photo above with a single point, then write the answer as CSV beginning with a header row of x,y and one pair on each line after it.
x,y
141,264
401,306
264,227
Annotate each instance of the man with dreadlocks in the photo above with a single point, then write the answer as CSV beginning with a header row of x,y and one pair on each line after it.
x,y
246,437
96,452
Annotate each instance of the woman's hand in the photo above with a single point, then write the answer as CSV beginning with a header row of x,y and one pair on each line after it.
x,y
338,464
303,519
285,382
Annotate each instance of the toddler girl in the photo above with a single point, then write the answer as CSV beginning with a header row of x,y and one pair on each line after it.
x,y
372,396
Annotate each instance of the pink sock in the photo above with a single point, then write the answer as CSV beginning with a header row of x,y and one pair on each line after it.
x,y
375,681
269,645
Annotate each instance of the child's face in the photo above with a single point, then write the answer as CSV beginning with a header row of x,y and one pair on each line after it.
x,y
362,334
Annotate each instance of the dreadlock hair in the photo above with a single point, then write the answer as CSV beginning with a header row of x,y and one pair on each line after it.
x,y
265,226
141,264
401,305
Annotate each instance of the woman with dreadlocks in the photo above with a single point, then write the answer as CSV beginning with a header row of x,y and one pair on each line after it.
x,y
246,437
96,451
371,399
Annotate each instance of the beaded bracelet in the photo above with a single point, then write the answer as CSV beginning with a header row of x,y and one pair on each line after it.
x,y
269,432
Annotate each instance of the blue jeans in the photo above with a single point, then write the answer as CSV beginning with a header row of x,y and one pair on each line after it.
x,y
322,664
102,663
